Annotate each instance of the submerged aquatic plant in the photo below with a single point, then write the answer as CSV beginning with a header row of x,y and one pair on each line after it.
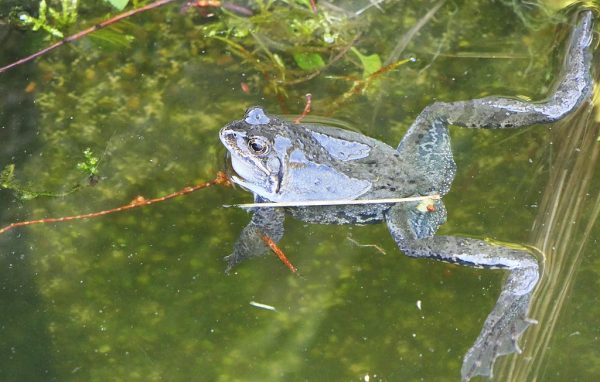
x,y
51,20
90,164
288,43
8,182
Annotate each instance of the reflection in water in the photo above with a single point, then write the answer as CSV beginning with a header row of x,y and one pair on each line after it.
x,y
569,209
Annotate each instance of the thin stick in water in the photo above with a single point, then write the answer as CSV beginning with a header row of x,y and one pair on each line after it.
x,y
140,201
310,203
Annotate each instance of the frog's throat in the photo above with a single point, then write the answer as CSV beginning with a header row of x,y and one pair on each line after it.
x,y
255,189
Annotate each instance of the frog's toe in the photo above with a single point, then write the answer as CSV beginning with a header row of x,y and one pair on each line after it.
x,y
499,336
232,260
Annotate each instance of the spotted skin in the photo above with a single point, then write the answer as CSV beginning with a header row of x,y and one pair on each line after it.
x,y
280,161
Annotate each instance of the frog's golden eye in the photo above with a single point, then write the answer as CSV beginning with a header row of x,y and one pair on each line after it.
x,y
258,146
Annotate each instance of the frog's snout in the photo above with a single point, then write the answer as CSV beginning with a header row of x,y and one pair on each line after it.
x,y
228,137
222,134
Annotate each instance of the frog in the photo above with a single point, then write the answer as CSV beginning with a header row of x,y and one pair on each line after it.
x,y
281,162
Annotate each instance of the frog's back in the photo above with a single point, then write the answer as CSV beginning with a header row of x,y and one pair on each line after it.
x,y
362,157
367,160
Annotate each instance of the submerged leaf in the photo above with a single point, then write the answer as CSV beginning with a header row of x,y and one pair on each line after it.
x,y
309,60
119,4
108,39
371,63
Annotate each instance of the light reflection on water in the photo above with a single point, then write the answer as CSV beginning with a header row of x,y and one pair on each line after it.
x,y
565,230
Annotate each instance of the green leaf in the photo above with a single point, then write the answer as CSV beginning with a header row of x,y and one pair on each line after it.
x,y
309,61
110,39
90,165
370,64
119,4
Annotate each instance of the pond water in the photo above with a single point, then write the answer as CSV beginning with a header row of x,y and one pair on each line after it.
x,y
142,294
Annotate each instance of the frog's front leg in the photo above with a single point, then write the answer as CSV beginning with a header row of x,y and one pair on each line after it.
x,y
508,319
265,221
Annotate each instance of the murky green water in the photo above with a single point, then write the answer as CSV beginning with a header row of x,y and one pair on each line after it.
x,y
141,295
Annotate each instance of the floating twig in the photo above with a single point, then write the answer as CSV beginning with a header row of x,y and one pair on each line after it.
x,y
310,203
139,201
268,241
360,86
306,109
313,6
378,248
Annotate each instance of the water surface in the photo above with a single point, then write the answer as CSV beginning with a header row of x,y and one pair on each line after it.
x,y
142,295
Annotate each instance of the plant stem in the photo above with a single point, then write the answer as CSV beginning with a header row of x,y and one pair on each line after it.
x,y
87,31
140,201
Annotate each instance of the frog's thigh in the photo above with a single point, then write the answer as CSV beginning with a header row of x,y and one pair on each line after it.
x,y
461,250
508,320
427,145
572,87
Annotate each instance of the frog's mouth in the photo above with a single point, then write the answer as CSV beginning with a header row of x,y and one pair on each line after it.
x,y
229,171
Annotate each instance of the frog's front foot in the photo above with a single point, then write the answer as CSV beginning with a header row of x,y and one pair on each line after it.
x,y
265,222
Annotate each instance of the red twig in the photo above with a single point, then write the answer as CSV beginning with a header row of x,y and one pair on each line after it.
x,y
237,9
140,201
268,241
313,6
87,31
306,108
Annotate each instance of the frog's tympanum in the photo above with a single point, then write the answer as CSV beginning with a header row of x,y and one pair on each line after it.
x,y
280,161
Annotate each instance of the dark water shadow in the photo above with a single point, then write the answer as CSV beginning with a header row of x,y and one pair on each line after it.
x,y
25,344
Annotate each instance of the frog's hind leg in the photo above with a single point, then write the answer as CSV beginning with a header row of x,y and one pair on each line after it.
x,y
427,144
571,89
508,320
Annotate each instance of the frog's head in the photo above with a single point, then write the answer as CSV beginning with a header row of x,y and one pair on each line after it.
x,y
254,155
281,161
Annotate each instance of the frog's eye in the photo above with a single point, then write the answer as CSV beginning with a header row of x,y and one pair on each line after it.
x,y
258,145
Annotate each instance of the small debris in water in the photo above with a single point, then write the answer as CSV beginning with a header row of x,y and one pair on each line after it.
x,y
378,248
419,304
426,205
263,306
